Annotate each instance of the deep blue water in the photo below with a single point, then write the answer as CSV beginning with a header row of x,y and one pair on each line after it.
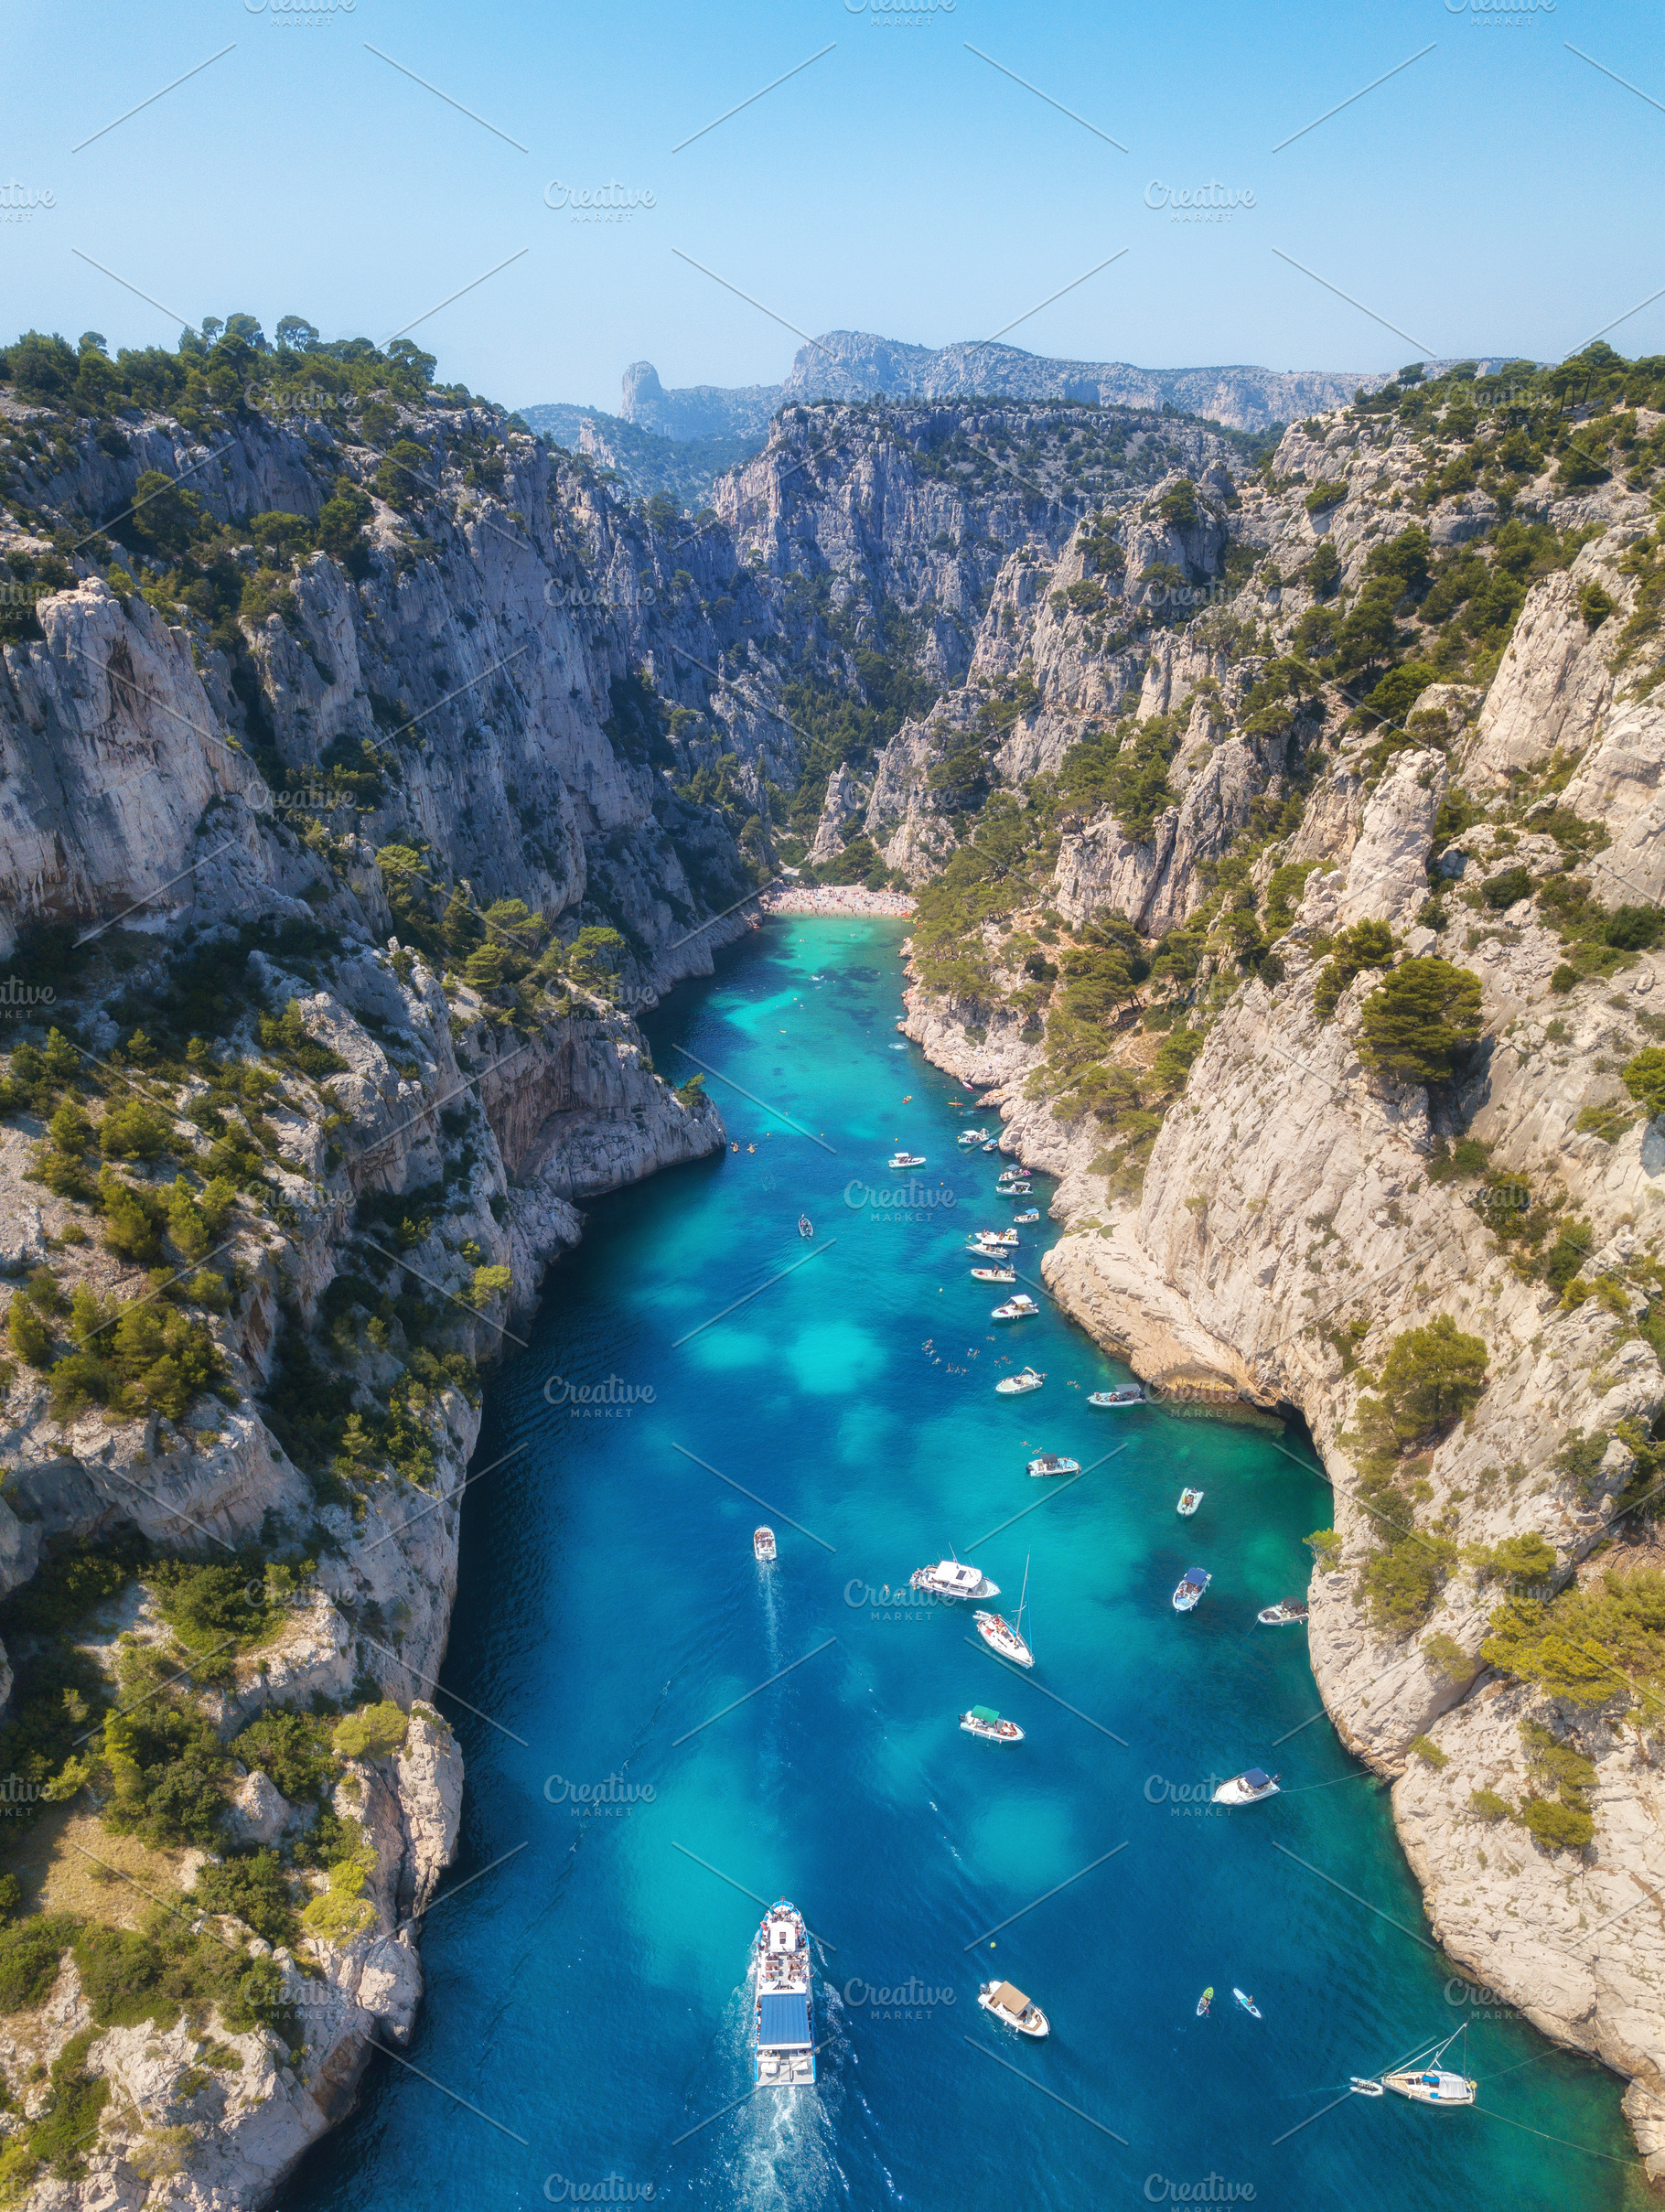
x,y
588,1994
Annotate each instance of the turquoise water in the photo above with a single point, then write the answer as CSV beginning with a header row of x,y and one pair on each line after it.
x,y
587,1994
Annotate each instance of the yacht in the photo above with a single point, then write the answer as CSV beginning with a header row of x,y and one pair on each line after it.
x,y
1003,1636
1427,2082
1010,2005
1014,1309
785,2003
1014,1386
953,1578
1189,1500
1247,1788
763,1542
1191,1586
1127,1393
1053,1463
984,1721
905,1159
993,1275
1288,1611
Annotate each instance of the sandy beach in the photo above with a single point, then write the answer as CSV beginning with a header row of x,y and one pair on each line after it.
x,y
834,898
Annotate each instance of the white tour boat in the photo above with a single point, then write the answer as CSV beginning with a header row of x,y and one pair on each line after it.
x,y
1053,1463
953,1578
784,2011
993,1275
1288,1612
1010,2005
1190,1587
1014,1386
1189,1500
763,1542
984,1721
974,1136
1248,1788
1128,1393
1020,1309
905,1159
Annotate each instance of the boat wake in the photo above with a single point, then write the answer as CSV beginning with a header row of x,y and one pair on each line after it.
x,y
780,2147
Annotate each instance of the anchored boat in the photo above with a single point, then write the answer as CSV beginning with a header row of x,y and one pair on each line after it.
x,y
1014,1386
974,1136
1001,1635
784,2013
905,1159
1127,1393
1014,1309
993,1275
1010,2005
1053,1463
1189,1500
1248,1788
953,1578
1422,2079
1191,1586
763,1542
984,1721
1287,1611
1033,1214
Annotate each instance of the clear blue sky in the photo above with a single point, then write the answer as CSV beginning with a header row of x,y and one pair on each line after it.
x,y
1499,195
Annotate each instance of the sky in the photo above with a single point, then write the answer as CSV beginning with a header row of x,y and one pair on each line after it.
x,y
929,172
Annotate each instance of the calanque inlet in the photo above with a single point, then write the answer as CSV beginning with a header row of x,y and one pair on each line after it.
x,y
1283,823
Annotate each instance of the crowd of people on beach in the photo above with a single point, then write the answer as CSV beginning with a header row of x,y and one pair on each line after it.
x,y
834,898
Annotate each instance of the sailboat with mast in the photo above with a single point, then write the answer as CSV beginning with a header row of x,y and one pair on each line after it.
x,y
1421,2079
1004,1638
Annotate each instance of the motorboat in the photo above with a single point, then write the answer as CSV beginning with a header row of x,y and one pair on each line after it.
x,y
905,1159
1005,1637
1188,1502
1021,1308
992,1145
1053,1463
1288,1612
1126,1393
1011,2006
1014,1386
763,1542
993,1275
984,1721
953,1578
806,1227
1033,1214
969,1137
1006,1239
1248,1788
1012,1175
1190,1587
783,2014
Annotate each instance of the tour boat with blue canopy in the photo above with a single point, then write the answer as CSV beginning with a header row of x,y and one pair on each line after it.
x,y
784,2013
1190,1587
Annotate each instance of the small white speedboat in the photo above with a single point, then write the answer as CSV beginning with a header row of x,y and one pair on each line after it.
x,y
1288,1612
984,1721
1014,1386
1020,1309
953,1578
1011,2006
1248,1788
1053,1463
1188,1502
1004,1239
1128,1393
974,1136
905,1159
763,1543
1190,1588
992,1145
1032,1215
993,1275
1008,1175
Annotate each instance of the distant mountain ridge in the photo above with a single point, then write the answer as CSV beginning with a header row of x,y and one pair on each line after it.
x,y
857,365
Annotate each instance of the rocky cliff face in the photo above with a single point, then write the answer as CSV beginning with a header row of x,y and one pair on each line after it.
x,y
1302,1211
389,1083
